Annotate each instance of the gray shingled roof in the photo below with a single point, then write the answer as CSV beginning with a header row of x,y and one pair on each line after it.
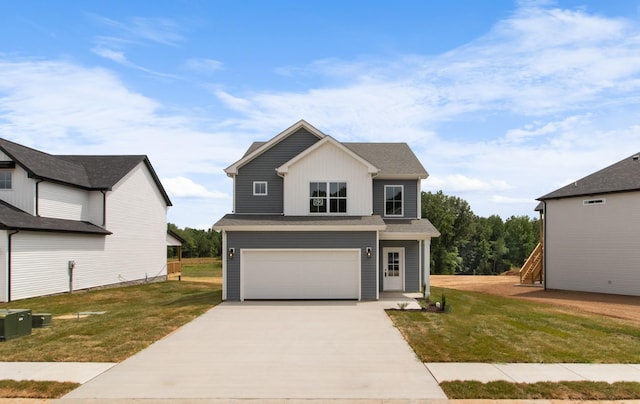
x,y
235,220
87,172
391,158
422,226
622,176
12,218
416,226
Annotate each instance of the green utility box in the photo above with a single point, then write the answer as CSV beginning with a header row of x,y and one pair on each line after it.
x,y
14,323
40,320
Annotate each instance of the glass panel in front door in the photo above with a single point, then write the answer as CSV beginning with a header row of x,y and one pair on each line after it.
x,y
393,264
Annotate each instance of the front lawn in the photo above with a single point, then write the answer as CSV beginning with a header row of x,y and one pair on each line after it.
x,y
486,328
134,318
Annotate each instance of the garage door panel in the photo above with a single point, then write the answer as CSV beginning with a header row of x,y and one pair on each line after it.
x,y
304,274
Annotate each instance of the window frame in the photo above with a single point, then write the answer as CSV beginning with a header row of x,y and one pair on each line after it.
x,y
266,188
386,213
3,181
328,198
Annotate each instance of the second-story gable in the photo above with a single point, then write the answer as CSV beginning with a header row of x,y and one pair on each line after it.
x,y
258,189
327,179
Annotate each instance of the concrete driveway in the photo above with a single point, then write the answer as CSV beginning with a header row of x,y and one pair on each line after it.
x,y
274,350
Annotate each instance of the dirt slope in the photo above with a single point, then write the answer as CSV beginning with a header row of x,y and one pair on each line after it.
x,y
626,307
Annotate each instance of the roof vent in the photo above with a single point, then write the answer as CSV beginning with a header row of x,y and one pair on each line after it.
x,y
636,157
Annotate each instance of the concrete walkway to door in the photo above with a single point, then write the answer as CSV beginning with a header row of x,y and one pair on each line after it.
x,y
274,350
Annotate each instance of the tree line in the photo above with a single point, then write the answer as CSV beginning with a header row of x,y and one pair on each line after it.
x,y
198,243
470,244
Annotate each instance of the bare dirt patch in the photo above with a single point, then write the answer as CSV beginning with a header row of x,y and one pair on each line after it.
x,y
625,307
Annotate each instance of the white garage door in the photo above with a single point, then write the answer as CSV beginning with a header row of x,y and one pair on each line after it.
x,y
300,274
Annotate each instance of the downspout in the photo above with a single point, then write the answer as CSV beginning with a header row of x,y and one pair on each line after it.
x,y
9,264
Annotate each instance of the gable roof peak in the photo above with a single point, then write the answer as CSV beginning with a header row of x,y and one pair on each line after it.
x,y
283,169
262,147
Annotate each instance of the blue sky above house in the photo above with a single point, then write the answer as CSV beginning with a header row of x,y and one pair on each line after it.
x,y
502,101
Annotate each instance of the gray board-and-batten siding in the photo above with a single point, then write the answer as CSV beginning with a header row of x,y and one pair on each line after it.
x,y
263,168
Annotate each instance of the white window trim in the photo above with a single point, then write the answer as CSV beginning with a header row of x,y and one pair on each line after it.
x,y
384,206
328,198
266,188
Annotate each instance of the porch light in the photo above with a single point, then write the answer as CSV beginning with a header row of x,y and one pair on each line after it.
x,y
232,251
368,251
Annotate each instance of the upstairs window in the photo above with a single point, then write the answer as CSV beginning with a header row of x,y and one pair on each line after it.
x,y
393,200
259,188
333,201
5,179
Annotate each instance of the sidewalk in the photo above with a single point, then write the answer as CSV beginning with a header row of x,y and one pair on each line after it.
x,y
534,372
82,372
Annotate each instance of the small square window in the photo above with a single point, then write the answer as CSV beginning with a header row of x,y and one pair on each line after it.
x,y
5,179
260,187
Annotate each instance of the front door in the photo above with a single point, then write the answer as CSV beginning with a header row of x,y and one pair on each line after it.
x,y
393,268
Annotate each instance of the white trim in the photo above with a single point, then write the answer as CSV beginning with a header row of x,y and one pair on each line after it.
x,y
402,264
419,201
377,265
420,264
233,169
384,206
356,250
406,236
266,188
224,265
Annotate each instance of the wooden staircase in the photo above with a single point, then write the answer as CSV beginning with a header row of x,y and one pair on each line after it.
x,y
531,272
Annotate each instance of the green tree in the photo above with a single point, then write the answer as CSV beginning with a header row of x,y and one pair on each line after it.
x,y
453,217
521,237
198,242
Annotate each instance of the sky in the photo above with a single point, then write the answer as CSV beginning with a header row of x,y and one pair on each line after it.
x,y
502,101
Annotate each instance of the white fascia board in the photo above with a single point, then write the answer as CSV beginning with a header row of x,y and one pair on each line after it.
x,y
406,236
301,228
233,169
284,169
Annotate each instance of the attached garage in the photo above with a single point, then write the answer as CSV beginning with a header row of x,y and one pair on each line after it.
x,y
300,273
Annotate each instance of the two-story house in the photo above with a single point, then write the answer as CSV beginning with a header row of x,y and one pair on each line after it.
x,y
315,218
78,222
590,238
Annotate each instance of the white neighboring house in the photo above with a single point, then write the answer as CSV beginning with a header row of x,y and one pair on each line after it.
x,y
78,222
591,236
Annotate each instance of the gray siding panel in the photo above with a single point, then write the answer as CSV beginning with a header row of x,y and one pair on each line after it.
x,y
410,198
411,264
263,168
358,239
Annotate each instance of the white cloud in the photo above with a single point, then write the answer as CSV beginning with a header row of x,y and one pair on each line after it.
x,y
462,183
183,187
510,200
206,66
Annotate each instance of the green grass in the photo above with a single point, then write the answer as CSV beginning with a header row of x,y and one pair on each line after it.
x,y
136,316
201,268
486,328
501,390
35,389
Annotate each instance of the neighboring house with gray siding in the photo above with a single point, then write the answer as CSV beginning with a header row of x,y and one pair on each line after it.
x,y
77,222
315,218
591,236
